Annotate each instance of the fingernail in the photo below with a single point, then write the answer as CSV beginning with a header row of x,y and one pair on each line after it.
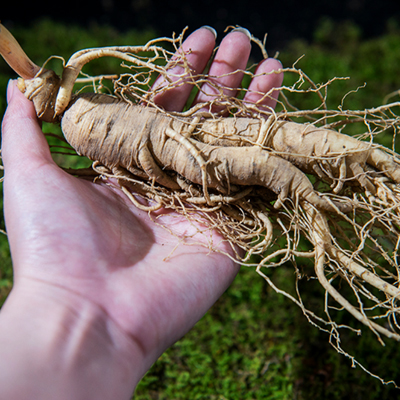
x,y
10,90
212,30
243,30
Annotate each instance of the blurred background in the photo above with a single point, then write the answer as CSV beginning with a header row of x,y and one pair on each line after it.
x,y
254,343
283,20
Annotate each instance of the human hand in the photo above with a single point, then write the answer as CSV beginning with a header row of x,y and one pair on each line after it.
x,y
100,290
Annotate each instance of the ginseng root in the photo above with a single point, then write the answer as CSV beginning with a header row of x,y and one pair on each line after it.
x,y
267,183
134,137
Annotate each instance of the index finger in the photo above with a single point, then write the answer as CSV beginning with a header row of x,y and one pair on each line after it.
x,y
197,48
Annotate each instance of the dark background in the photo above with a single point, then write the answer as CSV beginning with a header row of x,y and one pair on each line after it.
x,y
283,20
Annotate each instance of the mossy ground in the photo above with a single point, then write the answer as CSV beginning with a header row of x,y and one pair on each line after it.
x,y
254,343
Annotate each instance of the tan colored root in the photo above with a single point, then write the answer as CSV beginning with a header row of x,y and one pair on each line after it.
x,y
322,242
75,64
196,154
320,272
140,206
125,53
367,276
213,199
15,56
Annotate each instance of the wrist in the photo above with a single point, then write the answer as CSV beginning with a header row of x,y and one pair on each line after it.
x,y
55,344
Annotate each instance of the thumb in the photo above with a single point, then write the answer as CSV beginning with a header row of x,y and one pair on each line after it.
x,y
24,146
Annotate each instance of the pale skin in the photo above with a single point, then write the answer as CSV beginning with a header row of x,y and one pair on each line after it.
x,y
95,299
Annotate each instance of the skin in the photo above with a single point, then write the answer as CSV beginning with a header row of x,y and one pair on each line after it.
x,y
100,290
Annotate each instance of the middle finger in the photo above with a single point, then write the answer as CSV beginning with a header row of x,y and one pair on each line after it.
x,y
225,74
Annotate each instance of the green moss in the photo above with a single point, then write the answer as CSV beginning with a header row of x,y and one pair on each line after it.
x,y
239,350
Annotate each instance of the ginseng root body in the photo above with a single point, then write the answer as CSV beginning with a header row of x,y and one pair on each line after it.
x,y
332,156
139,138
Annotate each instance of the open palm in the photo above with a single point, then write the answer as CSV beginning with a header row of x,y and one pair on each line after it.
x,y
85,245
